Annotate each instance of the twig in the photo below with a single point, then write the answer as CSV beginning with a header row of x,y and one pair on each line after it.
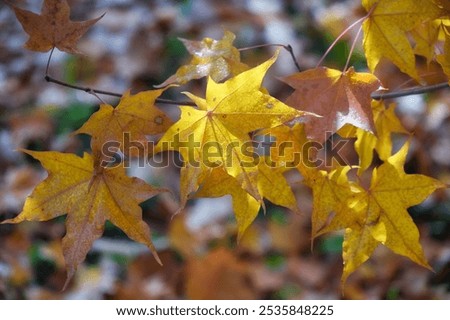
x,y
288,48
95,92
378,95
291,51
109,93
85,89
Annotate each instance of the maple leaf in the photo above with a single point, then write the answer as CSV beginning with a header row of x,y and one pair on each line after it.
x,y
385,31
425,36
215,58
135,116
269,183
444,59
273,186
219,183
53,27
386,123
331,192
89,196
340,98
223,121
379,214
290,147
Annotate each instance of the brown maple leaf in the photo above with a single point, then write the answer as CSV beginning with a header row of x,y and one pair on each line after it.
x,y
339,97
53,27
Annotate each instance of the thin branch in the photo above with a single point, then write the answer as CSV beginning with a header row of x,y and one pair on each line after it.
x,y
109,93
96,92
89,90
288,48
291,51
266,45
379,95
85,89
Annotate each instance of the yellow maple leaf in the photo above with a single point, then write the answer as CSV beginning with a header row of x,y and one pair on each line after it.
x,y
425,37
331,194
338,97
379,214
53,27
134,117
386,123
444,59
218,59
218,183
290,147
385,31
273,186
89,196
217,133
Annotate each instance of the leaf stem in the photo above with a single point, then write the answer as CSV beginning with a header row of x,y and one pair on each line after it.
x,y
339,37
48,61
379,95
352,48
344,32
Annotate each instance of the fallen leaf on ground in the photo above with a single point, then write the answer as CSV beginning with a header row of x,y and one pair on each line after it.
x,y
217,276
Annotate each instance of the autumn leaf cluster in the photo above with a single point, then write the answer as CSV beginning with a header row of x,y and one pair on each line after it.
x,y
215,135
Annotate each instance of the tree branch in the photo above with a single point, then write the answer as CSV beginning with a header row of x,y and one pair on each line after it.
x,y
379,95
288,48
109,93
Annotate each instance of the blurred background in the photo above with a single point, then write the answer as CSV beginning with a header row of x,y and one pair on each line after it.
x,y
136,46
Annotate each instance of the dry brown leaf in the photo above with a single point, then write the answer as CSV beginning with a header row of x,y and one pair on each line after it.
x,y
217,276
340,98
53,27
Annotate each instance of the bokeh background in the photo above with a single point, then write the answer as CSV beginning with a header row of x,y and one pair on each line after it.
x,y
135,46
